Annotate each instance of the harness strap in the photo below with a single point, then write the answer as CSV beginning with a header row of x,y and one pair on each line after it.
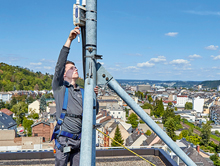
x,y
74,116
61,119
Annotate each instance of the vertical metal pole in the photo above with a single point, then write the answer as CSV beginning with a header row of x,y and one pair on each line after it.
x,y
87,152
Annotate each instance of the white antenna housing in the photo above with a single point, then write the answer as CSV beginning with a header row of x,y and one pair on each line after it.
x,y
84,3
78,2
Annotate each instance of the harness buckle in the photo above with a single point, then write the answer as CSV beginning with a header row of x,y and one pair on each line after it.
x,y
66,149
75,136
60,121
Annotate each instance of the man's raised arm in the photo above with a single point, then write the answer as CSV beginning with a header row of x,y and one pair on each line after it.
x,y
60,66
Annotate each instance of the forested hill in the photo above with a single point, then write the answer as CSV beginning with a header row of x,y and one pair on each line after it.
x,y
15,77
210,84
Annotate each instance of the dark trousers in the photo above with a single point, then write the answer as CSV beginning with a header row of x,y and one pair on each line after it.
x,y
61,159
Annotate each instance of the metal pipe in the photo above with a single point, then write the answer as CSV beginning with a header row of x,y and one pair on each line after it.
x,y
87,153
143,115
87,125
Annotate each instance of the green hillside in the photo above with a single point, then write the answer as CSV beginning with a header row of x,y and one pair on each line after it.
x,y
210,84
15,77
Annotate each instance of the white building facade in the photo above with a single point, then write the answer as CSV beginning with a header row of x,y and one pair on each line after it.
x,y
181,100
5,96
198,104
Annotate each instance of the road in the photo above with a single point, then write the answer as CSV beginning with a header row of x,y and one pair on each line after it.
x,y
198,132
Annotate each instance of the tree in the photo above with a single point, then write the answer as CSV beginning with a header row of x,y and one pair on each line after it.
x,y
35,116
159,108
206,133
36,87
218,148
148,132
2,104
43,104
188,106
185,133
170,128
13,101
149,98
27,126
127,112
117,137
190,131
30,100
20,109
167,113
133,120
170,104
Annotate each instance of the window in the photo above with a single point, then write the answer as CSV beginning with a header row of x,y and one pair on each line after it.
x,y
36,134
119,112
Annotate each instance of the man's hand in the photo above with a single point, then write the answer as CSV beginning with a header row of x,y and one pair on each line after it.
x,y
74,33
96,90
72,36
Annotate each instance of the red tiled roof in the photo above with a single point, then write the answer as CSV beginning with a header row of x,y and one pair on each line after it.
x,y
167,101
6,111
181,96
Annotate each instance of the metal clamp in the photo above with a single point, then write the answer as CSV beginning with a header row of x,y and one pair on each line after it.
x,y
97,125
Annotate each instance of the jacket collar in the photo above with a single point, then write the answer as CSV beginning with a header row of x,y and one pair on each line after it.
x,y
67,84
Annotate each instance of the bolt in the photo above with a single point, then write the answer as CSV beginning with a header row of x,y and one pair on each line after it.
x,y
103,75
106,79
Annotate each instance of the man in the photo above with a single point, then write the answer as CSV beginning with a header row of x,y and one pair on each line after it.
x,y
69,115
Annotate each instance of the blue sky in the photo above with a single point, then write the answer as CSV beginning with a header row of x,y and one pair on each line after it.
x,y
142,39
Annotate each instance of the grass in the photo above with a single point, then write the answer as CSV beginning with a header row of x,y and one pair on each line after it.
x,y
215,137
198,128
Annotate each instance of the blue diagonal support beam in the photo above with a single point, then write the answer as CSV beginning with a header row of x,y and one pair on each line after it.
x,y
105,78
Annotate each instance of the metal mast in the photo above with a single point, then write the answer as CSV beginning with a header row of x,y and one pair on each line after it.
x,y
88,142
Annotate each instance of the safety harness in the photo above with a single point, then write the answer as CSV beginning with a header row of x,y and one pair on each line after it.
x,y
58,128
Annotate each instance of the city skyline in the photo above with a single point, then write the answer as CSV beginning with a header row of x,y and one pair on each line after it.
x,y
167,40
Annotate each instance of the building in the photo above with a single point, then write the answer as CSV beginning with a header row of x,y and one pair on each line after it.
x,y
198,104
143,88
116,111
181,100
42,128
35,106
110,129
5,96
218,88
136,138
6,122
207,105
215,114
7,112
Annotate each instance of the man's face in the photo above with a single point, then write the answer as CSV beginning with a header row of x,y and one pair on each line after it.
x,y
71,72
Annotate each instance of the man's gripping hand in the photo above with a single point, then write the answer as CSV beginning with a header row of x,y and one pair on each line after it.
x,y
74,33
96,90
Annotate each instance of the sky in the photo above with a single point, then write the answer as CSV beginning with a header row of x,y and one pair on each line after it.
x,y
141,39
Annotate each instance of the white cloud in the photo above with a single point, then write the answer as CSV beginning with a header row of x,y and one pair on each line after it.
x,y
36,64
215,57
158,59
218,73
203,12
179,62
47,67
102,63
195,56
211,47
172,34
145,64
131,67
214,67
136,54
